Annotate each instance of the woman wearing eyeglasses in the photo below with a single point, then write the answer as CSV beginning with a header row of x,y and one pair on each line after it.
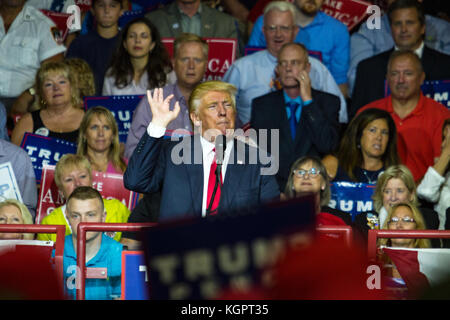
x,y
308,175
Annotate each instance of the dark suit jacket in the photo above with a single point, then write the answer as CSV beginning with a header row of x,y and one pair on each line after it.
x,y
371,75
153,166
317,131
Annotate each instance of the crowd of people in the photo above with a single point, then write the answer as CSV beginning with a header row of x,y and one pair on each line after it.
x,y
355,112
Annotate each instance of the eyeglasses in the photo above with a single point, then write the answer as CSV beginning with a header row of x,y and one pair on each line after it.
x,y
292,63
313,173
273,28
395,220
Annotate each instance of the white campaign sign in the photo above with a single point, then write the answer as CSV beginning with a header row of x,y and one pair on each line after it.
x,y
8,183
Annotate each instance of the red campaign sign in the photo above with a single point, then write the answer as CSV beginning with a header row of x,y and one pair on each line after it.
x,y
84,5
349,12
60,19
222,53
109,185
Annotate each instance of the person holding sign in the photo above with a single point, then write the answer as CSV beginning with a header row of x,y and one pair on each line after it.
x,y
369,145
213,174
15,212
73,171
308,175
98,141
85,205
141,62
59,107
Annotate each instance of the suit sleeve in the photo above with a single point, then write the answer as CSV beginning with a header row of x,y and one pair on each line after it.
x,y
146,166
322,119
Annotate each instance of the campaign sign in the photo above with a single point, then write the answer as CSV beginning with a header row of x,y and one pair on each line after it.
x,y
222,53
352,197
198,259
110,186
45,151
135,285
8,183
438,90
122,107
349,12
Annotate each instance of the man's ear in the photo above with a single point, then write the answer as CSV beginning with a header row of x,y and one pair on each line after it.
x,y
195,119
104,216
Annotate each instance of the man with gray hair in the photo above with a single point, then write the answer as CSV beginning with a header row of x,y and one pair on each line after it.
x,y
255,74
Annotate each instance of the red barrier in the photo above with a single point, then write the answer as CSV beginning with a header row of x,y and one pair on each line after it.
x,y
60,231
81,247
413,234
346,231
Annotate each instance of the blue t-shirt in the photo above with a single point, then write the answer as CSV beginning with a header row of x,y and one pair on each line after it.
x,y
109,256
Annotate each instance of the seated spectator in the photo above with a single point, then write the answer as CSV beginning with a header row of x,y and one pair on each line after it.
x,y
181,16
85,205
306,119
418,119
99,141
369,145
23,172
190,59
97,46
15,212
140,63
59,108
255,75
402,216
395,185
308,175
320,33
84,75
435,185
73,171
366,42
407,22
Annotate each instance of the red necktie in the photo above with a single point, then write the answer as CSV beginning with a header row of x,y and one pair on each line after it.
x,y
211,184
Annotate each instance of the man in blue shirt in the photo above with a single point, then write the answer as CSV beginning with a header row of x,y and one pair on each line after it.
x,y
321,34
85,204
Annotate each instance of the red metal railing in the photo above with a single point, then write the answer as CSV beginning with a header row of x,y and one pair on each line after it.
x,y
60,231
345,231
413,234
81,245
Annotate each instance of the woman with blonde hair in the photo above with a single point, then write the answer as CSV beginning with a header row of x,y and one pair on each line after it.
x,y
14,212
84,75
58,108
98,141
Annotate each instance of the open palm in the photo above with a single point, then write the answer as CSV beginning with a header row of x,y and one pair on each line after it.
x,y
160,107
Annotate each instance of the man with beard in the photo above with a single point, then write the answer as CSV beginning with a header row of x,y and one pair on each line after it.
x,y
418,119
321,34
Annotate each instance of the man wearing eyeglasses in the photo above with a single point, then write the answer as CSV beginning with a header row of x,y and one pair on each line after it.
x,y
255,75
307,118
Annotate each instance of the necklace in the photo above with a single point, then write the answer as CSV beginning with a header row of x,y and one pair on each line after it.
x,y
372,179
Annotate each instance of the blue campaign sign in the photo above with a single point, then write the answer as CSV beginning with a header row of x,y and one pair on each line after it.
x,y
352,197
122,107
134,276
438,90
45,151
199,258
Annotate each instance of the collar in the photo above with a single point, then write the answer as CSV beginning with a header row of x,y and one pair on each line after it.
x,y
207,146
271,58
199,10
418,51
69,249
416,111
288,99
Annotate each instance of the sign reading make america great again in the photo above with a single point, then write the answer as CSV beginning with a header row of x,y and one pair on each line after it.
x,y
198,259
222,53
349,12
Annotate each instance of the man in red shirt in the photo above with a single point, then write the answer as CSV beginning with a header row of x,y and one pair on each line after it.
x,y
418,119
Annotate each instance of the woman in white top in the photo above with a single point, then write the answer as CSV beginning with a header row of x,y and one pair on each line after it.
x,y
435,185
140,63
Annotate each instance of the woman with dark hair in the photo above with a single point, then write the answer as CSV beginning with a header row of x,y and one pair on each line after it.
x,y
140,63
369,145
308,175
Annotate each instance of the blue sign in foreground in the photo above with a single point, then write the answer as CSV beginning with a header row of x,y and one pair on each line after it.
x,y
198,259
134,276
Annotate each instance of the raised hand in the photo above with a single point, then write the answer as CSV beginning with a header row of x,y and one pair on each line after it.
x,y
305,85
160,107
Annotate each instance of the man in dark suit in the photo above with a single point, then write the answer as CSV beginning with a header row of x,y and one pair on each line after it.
x,y
307,119
407,21
194,183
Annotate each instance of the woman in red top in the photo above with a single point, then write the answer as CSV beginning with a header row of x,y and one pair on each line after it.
x,y
308,175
